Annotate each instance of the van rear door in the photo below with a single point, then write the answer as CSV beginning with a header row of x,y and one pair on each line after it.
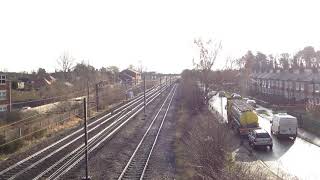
x,y
288,126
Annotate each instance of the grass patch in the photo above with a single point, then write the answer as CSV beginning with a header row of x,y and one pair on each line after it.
x,y
11,148
308,121
311,123
183,169
25,95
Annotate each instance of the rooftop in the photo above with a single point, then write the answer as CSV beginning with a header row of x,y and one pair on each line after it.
x,y
284,115
306,76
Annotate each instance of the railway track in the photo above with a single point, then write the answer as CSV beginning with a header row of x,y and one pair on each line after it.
x,y
56,159
137,164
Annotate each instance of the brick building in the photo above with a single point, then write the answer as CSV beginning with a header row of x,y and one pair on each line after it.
x,y
5,94
294,86
130,76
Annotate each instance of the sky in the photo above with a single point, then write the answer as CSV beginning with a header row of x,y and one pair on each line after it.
x,y
155,34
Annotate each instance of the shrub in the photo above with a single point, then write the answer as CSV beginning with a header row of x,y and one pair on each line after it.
x,y
191,96
39,134
11,147
13,116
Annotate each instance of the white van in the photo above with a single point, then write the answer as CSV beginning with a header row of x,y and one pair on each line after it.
x,y
285,125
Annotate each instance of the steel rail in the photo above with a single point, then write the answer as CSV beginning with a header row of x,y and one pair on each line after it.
x,y
91,139
79,156
145,134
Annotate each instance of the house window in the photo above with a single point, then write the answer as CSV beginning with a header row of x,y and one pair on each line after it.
x,y
290,85
3,108
3,94
2,79
317,88
302,86
297,86
269,84
285,84
310,88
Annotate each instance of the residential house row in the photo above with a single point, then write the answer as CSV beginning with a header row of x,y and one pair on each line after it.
x,y
296,86
5,94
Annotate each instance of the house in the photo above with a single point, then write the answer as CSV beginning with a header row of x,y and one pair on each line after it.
x,y
18,85
294,86
150,76
43,81
130,76
5,94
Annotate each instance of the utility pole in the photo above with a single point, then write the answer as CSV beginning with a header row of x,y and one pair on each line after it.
x,y
85,108
221,107
125,84
144,95
97,96
88,94
160,80
10,96
166,80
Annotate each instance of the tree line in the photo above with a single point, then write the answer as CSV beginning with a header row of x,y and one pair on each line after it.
x,y
308,57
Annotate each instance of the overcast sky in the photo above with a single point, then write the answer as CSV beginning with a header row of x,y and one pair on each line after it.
x,y
160,34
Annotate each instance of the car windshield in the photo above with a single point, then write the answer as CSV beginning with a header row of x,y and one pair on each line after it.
x,y
263,135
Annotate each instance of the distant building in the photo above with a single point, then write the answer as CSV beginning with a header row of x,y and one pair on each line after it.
x,y
287,87
43,81
18,85
130,76
5,94
150,76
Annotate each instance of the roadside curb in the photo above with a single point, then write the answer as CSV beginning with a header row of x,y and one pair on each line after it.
x,y
253,154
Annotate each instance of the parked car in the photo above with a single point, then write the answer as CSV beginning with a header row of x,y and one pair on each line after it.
x,y
25,108
235,96
245,99
259,137
284,125
252,102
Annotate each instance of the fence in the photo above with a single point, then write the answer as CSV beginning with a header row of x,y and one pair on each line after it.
x,y
44,122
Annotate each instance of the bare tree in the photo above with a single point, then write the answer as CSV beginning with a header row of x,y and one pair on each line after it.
x,y
208,52
65,62
230,63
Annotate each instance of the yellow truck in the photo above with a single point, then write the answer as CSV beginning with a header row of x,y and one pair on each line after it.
x,y
241,116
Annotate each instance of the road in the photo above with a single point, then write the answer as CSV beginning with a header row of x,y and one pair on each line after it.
x,y
300,159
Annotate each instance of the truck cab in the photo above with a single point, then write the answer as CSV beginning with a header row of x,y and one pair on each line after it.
x,y
284,125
